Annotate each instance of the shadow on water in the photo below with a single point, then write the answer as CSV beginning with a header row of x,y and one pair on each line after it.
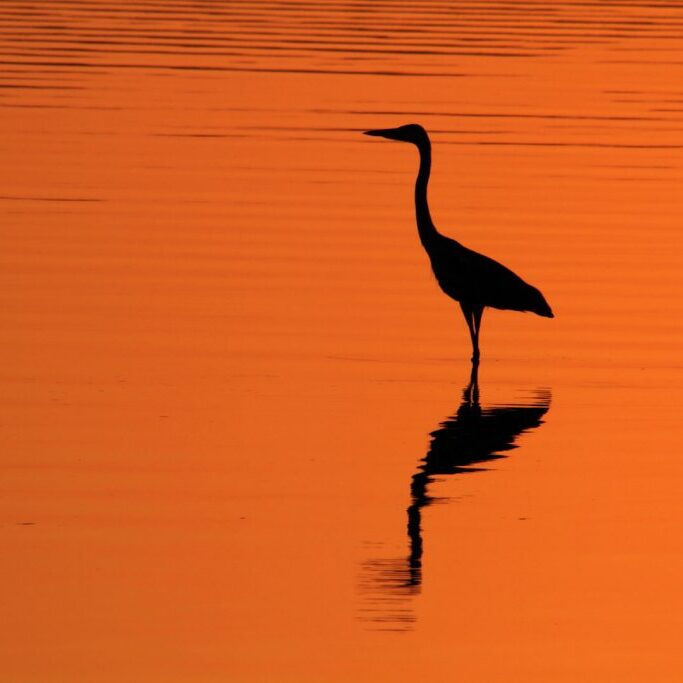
x,y
471,436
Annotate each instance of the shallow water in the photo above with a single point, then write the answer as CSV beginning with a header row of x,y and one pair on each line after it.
x,y
238,438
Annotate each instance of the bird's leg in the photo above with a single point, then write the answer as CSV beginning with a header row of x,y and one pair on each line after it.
x,y
474,378
471,393
477,312
469,319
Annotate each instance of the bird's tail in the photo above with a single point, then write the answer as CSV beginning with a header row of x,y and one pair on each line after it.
x,y
540,306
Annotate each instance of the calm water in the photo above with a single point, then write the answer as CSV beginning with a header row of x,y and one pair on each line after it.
x,y
239,437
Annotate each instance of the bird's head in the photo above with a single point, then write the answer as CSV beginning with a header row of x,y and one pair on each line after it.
x,y
412,132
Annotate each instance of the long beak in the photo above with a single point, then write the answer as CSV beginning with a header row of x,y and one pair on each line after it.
x,y
389,133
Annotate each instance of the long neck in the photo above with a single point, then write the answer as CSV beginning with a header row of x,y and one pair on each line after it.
x,y
425,227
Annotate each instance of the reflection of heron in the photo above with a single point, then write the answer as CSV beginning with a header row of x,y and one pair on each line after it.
x,y
473,435
470,278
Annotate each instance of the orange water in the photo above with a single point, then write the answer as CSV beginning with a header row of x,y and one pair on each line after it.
x,y
225,354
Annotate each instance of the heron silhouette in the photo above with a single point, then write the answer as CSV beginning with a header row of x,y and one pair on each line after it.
x,y
472,279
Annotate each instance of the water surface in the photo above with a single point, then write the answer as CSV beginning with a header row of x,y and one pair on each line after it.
x,y
237,441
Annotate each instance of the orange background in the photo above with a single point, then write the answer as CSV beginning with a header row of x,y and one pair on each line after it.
x,y
224,351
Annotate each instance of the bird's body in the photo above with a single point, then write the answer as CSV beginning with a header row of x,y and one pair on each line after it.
x,y
472,279
477,280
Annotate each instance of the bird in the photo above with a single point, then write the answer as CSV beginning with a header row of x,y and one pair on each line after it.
x,y
475,281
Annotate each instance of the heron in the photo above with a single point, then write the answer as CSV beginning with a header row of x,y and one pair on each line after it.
x,y
475,281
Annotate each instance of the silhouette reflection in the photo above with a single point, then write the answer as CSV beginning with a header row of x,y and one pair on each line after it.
x,y
473,435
